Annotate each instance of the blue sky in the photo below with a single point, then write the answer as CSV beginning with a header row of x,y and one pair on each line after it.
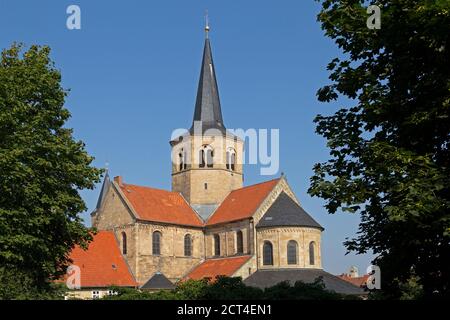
x,y
133,70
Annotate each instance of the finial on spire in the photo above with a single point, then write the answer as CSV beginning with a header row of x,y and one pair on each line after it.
x,y
206,24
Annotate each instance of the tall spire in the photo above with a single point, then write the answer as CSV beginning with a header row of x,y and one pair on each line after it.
x,y
207,105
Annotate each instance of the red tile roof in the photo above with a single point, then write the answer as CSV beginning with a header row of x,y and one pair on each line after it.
x,y
357,281
212,268
102,264
242,203
160,205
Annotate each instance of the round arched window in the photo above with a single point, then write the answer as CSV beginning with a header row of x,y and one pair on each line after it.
x,y
267,253
206,155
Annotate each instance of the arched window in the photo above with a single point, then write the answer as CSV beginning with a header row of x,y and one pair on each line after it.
x,y
124,243
202,159
292,252
312,246
267,254
231,159
188,245
239,242
216,245
156,243
182,160
206,155
209,158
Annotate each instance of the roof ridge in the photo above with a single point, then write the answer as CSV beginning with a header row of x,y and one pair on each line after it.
x,y
128,204
147,187
276,181
252,185
232,257
169,206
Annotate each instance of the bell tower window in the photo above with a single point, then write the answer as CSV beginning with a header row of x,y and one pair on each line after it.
x,y
182,160
202,159
231,159
206,156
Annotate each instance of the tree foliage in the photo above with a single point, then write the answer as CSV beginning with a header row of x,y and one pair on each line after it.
x,y
232,288
42,169
390,145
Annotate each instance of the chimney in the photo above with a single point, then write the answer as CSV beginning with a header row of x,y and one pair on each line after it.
x,y
119,181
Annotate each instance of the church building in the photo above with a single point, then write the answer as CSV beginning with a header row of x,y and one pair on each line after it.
x,y
209,224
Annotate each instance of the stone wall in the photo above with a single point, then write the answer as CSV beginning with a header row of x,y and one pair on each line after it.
x,y
117,215
113,213
247,268
190,182
228,238
171,262
130,231
279,238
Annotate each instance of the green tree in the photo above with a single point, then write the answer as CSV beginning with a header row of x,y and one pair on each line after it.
x,y
232,288
390,146
42,169
192,289
301,291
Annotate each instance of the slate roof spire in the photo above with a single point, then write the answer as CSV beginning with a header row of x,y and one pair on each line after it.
x,y
207,105
105,187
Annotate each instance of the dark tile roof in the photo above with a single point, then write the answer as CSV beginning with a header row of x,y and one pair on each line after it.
x,y
158,281
268,278
286,212
207,105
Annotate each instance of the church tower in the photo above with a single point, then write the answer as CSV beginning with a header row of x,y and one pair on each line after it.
x,y
207,161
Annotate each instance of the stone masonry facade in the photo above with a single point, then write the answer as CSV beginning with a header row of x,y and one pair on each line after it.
x,y
115,215
208,214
